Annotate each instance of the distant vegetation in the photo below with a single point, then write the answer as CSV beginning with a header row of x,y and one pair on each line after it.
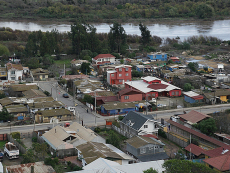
x,y
99,10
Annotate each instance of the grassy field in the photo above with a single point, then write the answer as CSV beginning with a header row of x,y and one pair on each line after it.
x,y
2,143
62,62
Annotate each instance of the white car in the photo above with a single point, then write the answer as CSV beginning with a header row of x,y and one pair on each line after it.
x,y
160,105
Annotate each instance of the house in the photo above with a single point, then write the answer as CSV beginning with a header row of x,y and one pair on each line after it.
x,y
129,95
193,117
175,59
114,108
172,67
43,105
90,151
218,95
17,90
60,114
198,152
136,123
60,142
120,75
33,93
3,73
72,77
19,112
152,87
77,63
14,71
105,99
158,56
6,101
220,163
103,59
192,97
40,74
30,168
146,149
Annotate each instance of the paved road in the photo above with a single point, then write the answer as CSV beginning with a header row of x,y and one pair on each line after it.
x,y
81,109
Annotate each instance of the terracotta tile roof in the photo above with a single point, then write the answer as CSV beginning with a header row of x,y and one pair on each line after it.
x,y
15,66
221,162
194,116
127,90
198,134
217,151
157,86
103,56
195,149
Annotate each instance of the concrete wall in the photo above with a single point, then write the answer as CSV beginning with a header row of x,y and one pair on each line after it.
x,y
127,133
177,140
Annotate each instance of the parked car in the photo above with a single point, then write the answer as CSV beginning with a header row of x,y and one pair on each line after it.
x,y
160,105
65,95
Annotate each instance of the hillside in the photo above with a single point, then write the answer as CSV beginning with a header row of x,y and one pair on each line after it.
x,y
107,10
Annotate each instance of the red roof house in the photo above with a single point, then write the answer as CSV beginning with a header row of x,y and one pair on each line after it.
x,y
193,117
221,162
129,95
104,59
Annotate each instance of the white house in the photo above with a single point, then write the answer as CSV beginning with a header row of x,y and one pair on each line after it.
x,y
14,71
104,59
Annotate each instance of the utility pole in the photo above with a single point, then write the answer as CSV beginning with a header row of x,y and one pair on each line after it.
x,y
73,94
64,69
95,109
56,91
147,105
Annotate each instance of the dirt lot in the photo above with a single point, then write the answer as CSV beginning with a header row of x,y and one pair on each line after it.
x,y
170,148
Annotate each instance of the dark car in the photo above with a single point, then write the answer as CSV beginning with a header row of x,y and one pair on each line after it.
x,y
65,95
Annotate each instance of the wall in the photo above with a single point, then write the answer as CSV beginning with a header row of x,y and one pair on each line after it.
x,y
179,93
189,99
132,98
176,140
151,128
22,150
127,133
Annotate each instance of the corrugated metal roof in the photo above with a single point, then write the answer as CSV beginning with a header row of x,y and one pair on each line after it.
x,y
139,141
194,116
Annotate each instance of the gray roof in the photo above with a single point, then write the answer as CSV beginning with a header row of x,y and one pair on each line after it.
x,y
134,117
153,157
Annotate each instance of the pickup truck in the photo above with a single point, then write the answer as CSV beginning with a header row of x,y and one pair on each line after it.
x,y
11,151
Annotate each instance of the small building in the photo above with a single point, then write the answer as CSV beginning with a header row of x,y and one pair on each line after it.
x,y
3,73
193,117
72,77
17,90
33,93
103,59
158,56
218,95
40,74
120,75
136,123
77,63
60,114
90,151
175,59
172,67
105,99
30,168
116,108
129,95
146,149
19,112
14,71
196,151
192,97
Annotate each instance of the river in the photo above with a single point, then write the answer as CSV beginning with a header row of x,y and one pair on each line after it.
x,y
218,28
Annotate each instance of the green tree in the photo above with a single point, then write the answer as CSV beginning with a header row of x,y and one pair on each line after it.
x,y
208,126
85,68
193,66
150,170
180,155
188,87
145,34
136,73
4,50
88,99
117,37
113,139
186,166
45,46
122,61
5,116
2,95
204,10
47,93
28,157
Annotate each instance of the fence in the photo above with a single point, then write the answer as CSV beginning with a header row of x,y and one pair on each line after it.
x,y
3,137
122,132
176,140
26,135
20,147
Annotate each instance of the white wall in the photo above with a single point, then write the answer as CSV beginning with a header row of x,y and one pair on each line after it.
x,y
18,73
108,77
151,128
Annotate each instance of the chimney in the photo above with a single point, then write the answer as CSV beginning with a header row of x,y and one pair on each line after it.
x,y
32,169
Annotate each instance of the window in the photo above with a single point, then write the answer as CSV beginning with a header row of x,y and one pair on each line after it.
x,y
112,75
120,69
3,73
145,126
173,93
142,150
127,74
43,76
12,78
120,81
150,148
126,97
120,75
153,94
126,69
12,72
177,93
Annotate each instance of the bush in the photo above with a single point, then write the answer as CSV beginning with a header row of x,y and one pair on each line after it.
x,y
162,133
97,130
47,93
34,139
16,135
120,118
51,162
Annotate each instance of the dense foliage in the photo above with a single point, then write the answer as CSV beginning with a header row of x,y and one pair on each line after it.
x,y
186,166
5,116
207,127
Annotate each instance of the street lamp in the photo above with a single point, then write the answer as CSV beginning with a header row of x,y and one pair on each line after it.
x,y
10,126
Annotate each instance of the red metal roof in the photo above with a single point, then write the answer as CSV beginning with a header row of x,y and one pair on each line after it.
x,y
104,56
221,162
157,86
194,149
199,97
217,151
194,116
150,136
127,90
198,134
174,58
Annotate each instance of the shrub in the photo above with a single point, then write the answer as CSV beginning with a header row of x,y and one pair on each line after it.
x,y
34,139
97,130
16,135
162,133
